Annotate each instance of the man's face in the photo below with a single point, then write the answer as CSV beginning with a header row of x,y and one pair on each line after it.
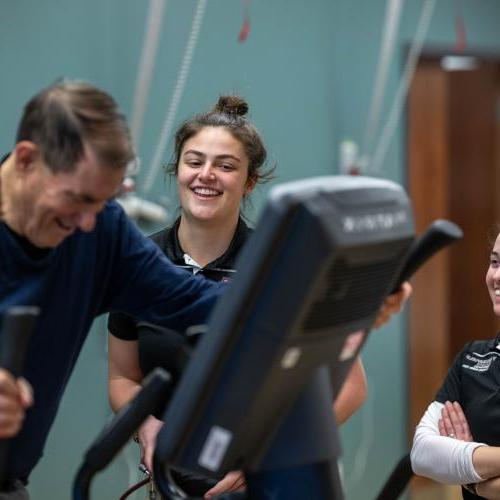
x,y
53,206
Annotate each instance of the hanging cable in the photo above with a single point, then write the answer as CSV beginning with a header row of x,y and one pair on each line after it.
x,y
461,35
133,205
176,97
390,30
404,84
145,71
245,27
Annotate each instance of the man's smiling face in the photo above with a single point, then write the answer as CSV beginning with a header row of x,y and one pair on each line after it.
x,y
52,206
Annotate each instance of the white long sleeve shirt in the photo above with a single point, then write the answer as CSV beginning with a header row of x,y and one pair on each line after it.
x,y
444,459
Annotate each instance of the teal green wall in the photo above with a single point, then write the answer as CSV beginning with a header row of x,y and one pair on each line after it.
x,y
307,70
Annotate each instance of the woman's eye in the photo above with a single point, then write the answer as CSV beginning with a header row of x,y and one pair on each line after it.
x,y
194,163
227,167
494,263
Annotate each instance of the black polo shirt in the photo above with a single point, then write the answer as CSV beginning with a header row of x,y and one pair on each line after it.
x,y
474,381
221,269
157,346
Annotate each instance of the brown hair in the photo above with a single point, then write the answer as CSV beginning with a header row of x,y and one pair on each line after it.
x,y
229,112
64,117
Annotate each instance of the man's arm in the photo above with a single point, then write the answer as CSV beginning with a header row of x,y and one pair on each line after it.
x,y
147,286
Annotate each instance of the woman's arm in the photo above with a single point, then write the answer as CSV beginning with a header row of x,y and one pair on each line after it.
x,y
444,459
486,460
124,373
355,390
124,381
489,488
352,394
393,304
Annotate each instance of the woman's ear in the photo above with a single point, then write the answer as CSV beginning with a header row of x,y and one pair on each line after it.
x,y
251,183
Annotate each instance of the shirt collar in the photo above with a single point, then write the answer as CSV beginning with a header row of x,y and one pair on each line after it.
x,y
226,260
494,344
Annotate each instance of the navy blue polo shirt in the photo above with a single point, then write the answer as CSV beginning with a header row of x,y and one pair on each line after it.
x,y
113,268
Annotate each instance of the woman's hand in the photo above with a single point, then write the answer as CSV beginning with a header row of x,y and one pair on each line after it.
x,y
393,304
453,423
147,440
232,481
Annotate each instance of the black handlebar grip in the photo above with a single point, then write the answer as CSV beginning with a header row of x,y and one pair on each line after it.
x,y
398,480
114,436
438,235
17,325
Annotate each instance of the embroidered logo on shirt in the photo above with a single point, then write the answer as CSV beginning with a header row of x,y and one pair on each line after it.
x,y
479,362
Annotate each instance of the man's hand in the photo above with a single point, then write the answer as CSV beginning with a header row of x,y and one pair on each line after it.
x,y
453,423
232,481
393,304
147,440
16,396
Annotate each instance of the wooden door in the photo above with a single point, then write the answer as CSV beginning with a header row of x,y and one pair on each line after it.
x,y
453,161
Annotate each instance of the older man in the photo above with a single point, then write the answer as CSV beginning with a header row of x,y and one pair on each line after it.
x,y
69,250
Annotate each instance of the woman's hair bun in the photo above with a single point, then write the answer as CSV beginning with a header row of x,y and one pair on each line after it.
x,y
231,105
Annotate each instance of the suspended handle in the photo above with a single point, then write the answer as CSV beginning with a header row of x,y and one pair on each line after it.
x,y
438,235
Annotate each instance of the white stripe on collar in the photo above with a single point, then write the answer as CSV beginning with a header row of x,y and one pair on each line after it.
x,y
191,262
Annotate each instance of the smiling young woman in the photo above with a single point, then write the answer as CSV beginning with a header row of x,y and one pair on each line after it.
x,y
458,438
219,158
